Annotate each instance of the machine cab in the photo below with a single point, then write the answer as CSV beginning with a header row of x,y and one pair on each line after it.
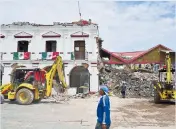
x,y
35,77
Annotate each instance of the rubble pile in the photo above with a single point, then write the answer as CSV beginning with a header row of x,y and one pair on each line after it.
x,y
138,84
80,95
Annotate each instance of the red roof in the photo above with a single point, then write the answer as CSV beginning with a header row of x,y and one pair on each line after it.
x,y
116,56
131,55
142,54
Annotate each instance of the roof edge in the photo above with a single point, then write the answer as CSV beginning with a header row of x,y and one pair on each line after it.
x,y
111,53
130,61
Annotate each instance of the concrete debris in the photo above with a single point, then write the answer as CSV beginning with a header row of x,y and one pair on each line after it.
x,y
84,95
57,95
138,84
80,95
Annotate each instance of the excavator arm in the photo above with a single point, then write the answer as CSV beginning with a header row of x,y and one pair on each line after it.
x,y
169,61
168,68
56,67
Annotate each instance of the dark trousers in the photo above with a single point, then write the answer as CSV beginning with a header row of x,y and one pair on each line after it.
x,y
123,94
99,126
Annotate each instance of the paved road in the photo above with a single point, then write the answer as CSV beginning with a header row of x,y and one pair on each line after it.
x,y
80,114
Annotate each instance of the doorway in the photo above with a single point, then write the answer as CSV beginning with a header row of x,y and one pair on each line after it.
x,y
22,46
80,76
79,50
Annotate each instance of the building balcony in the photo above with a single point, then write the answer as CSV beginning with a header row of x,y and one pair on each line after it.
x,y
69,56
79,55
29,55
15,55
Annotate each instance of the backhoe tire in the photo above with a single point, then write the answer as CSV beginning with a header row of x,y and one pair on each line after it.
x,y
156,97
24,96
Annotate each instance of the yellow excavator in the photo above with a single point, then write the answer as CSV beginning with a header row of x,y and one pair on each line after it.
x,y
30,85
165,88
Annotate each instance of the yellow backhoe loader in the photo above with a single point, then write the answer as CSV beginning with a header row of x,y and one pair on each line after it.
x,y
165,88
31,85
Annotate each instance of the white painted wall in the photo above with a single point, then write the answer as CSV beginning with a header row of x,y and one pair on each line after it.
x,y
6,76
65,43
37,43
94,79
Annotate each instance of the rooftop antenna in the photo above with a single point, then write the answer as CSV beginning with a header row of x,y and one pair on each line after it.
x,y
80,18
79,10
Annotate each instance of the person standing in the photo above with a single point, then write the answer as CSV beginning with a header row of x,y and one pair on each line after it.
x,y
123,89
103,109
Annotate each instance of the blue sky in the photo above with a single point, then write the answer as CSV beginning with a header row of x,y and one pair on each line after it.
x,y
124,26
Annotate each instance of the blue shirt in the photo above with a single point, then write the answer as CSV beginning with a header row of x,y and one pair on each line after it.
x,y
103,110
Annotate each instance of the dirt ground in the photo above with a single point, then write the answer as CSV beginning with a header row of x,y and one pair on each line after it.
x,y
81,114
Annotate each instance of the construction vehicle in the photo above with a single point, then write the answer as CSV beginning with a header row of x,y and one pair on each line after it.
x,y
165,88
30,85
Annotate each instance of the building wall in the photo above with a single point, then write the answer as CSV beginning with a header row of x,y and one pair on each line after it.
x,y
65,44
151,57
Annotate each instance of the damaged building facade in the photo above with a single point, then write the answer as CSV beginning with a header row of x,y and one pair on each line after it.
x,y
136,70
152,57
36,46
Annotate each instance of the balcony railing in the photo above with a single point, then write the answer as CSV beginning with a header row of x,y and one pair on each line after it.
x,y
15,55
44,55
21,55
79,55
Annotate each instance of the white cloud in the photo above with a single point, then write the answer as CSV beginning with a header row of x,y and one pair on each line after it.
x,y
124,27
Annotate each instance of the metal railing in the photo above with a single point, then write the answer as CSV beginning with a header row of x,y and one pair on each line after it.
x,y
76,55
81,55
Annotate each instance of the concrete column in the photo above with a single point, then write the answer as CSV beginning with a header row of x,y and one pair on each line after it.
x,y
94,82
6,76
94,79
